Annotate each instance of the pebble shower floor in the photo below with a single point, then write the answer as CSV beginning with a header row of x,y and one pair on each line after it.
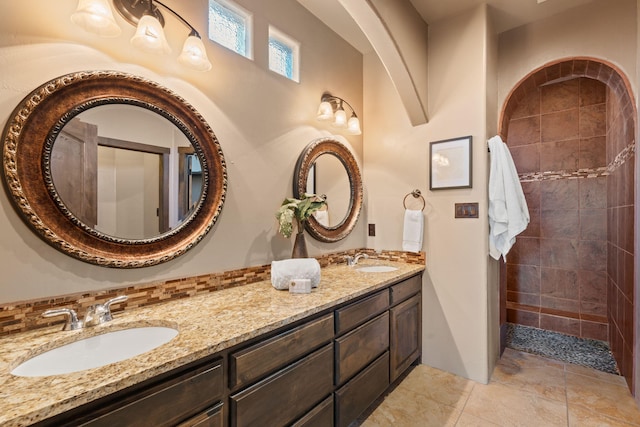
x,y
580,351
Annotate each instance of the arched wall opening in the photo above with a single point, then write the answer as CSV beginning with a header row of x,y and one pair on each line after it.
x,y
570,126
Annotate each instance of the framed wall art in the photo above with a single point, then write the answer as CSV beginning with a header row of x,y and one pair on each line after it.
x,y
450,163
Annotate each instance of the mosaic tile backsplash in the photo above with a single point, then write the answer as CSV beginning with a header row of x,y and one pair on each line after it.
x,y
27,315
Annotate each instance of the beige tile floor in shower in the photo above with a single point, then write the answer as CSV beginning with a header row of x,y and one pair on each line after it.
x,y
525,390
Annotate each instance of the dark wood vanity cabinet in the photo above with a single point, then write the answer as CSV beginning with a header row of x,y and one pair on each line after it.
x,y
190,396
358,394
323,371
286,395
299,366
374,354
405,317
257,360
178,402
375,339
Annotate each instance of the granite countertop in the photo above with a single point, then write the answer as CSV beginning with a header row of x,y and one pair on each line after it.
x,y
207,324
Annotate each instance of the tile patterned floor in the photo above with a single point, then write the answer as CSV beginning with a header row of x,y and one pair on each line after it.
x,y
525,390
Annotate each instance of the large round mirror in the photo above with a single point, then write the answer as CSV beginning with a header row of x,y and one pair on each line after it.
x,y
327,168
113,169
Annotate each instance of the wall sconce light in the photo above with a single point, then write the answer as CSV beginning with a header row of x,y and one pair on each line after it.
x,y
332,108
96,16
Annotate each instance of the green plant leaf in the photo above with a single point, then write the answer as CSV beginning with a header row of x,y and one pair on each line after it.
x,y
300,209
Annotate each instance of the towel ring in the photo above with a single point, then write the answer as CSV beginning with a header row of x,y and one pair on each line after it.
x,y
416,194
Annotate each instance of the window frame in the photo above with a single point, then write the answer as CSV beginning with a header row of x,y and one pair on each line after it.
x,y
294,45
241,12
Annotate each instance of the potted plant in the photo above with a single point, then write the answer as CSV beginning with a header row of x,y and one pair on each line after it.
x,y
299,210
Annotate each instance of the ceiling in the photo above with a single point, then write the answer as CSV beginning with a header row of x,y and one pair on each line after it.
x,y
507,14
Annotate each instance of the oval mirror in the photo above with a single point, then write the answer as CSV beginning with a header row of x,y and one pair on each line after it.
x,y
328,168
113,169
125,171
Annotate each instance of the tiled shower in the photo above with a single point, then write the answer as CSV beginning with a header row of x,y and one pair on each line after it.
x,y
570,128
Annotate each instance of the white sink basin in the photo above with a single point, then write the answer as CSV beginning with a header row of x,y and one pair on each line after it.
x,y
96,351
376,268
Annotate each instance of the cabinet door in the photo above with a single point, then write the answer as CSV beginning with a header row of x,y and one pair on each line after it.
x,y
406,334
286,395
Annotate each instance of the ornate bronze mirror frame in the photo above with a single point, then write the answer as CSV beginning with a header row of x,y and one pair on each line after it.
x,y
303,171
28,139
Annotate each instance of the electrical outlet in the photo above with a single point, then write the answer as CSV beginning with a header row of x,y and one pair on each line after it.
x,y
372,230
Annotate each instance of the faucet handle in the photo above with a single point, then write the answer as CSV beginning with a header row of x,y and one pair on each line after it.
x,y
72,322
349,259
97,314
108,303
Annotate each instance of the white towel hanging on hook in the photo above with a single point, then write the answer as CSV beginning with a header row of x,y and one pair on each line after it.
x,y
508,211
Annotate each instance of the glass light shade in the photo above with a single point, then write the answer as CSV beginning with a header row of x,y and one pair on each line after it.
x,y
194,54
340,119
96,17
325,111
353,126
150,36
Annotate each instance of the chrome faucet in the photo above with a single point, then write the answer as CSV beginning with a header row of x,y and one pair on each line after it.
x,y
95,315
98,314
72,322
353,260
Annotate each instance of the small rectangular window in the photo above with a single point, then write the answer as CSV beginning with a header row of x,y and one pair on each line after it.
x,y
230,26
284,55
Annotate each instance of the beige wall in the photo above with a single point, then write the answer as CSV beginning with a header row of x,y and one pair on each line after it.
x,y
455,326
602,29
263,122
493,266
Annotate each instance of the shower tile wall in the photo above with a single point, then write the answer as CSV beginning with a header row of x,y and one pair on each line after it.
x,y
557,270
620,235
577,170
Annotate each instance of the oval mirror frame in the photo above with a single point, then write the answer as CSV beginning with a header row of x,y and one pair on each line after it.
x,y
27,143
318,147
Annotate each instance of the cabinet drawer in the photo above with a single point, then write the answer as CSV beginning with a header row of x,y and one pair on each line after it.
x,y
405,289
354,314
355,396
359,347
267,356
212,417
171,403
320,416
286,395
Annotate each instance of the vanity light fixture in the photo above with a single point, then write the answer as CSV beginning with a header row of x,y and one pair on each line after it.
x,y
96,16
332,108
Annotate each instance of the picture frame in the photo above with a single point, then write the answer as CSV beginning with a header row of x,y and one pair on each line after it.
x,y
451,165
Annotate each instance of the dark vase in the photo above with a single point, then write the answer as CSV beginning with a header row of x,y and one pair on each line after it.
x,y
300,246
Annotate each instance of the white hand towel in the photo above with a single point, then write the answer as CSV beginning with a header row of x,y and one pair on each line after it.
x,y
322,217
283,272
412,232
508,211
